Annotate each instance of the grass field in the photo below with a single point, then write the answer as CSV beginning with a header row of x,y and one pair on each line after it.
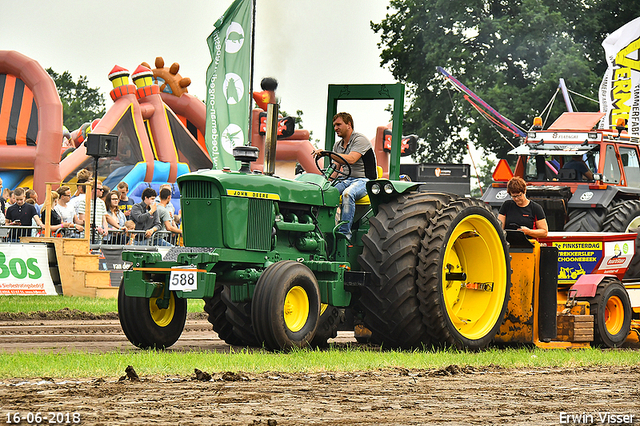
x,y
79,364
83,304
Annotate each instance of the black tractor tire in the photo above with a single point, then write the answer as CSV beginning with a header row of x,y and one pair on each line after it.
x,y
623,216
391,246
611,310
147,326
585,220
330,319
466,244
230,320
286,306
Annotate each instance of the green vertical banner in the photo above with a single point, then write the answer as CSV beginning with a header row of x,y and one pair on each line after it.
x,y
228,83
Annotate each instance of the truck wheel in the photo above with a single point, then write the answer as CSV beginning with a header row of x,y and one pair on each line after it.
x,y
465,276
390,304
328,323
230,320
146,325
611,310
585,220
286,306
623,216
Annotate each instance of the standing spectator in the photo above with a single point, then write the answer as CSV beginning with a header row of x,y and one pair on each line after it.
x,y
170,208
2,200
125,204
145,213
82,177
67,212
105,193
10,200
116,214
21,214
56,221
101,212
32,194
166,221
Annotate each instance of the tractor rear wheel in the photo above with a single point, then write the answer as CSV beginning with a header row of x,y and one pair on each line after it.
x,y
146,325
286,306
230,320
624,216
585,220
611,310
328,323
390,305
464,276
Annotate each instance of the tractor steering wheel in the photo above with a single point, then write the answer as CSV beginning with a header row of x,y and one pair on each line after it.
x,y
328,171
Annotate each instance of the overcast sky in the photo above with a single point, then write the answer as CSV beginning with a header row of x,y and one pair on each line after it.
x,y
304,44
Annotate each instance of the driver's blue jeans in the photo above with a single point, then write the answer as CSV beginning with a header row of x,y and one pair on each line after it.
x,y
351,190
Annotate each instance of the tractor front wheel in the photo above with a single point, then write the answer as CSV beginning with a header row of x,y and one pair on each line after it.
x,y
611,310
148,326
286,306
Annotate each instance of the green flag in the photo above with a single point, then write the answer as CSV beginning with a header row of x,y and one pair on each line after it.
x,y
228,83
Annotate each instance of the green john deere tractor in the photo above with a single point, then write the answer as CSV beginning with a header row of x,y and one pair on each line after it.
x,y
422,269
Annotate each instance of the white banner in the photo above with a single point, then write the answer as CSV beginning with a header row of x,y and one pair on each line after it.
x,y
620,87
24,269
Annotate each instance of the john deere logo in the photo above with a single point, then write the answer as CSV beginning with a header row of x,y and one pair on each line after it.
x,y
501,195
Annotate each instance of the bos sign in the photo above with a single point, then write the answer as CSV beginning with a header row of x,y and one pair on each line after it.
x,y
24,269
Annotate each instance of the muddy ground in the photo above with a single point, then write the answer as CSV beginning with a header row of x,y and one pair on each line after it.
x,y
455,395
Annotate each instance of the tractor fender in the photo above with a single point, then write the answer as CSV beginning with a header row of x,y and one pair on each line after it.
x,y
587,285
586,196
382,191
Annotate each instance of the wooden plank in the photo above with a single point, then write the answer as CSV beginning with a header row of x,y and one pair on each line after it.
x,y
86,262
107,292
98,279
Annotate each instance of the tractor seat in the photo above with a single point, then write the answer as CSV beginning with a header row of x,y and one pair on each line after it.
x,y
364,201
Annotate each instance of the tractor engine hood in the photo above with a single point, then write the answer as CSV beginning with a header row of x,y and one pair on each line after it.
x,y
311,190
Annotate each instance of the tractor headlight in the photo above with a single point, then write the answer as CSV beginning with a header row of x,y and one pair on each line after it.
x,y
375,189
388,188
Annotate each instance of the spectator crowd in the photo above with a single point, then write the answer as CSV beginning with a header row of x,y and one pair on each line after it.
x,y
118,220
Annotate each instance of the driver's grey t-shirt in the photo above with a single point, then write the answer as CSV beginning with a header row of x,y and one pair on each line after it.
x,y
358,143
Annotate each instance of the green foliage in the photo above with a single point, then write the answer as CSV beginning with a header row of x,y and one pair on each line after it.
x,y
80,103
511,53
485,172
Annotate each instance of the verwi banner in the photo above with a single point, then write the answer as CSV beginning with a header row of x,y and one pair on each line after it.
x,y
620,87
228,84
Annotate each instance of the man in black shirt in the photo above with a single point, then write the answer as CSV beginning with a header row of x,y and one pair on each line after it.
x,y
522,214
20,214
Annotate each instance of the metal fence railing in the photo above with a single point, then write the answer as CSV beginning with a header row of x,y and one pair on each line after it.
x,y
113,237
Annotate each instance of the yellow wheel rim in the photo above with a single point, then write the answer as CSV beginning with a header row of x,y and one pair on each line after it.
x,y
474,304
614,315
162,317
296,308
323,307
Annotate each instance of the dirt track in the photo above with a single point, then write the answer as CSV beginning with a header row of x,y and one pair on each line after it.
x,y
454,395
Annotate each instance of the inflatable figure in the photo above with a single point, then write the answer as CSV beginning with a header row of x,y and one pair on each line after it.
x,y
30,123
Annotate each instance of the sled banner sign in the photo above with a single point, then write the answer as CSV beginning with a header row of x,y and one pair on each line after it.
x,y
228,84
24,270
620,88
